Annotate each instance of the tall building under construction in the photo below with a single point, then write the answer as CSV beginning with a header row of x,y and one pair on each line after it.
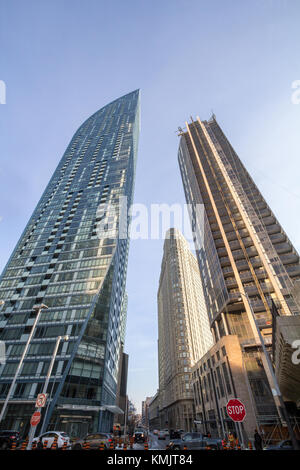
x,y
249,270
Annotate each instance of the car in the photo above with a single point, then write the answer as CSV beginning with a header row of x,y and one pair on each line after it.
x,y
94,440
155,432
195,440
49,436
283,445
140,435
161,435
166,431
7,438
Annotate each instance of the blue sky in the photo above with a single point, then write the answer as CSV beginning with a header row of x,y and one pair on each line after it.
x,y
62,60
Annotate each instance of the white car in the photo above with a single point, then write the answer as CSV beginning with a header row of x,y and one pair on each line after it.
x,y
62,437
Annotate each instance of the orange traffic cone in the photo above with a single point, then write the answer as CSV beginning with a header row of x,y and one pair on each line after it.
x,y
14,445
24,444
64,447
54,443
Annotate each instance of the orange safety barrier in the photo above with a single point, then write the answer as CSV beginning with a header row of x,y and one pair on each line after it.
x,y
101,447
24,444
64,447
45,445
54,445
184,447
14,445
87,446
146,445
111,446
34,444
125,446
250,446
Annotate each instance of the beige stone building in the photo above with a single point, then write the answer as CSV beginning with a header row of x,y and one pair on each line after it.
x,y
219,376
184,334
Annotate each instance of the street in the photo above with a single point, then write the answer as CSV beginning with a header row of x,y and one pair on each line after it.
x,y
154,443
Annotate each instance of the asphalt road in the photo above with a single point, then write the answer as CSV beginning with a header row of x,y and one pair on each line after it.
x,y
154,443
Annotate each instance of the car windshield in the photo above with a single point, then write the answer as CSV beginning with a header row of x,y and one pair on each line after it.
x,y
64,434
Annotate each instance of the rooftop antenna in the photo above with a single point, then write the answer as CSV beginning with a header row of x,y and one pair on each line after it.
x,y
180,131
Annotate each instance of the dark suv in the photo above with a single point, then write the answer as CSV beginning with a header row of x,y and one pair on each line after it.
x,y
195,440
140,435
7,438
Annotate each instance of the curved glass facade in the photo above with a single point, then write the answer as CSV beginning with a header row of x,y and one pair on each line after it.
x,y
65,262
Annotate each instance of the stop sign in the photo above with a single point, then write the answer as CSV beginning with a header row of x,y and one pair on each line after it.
x,y
35,418
236,410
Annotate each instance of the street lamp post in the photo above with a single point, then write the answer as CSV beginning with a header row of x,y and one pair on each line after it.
x,y
275,387
39,309
33,428
125,417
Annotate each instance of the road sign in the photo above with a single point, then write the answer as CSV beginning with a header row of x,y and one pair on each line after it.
x,y
41,400
35,418
236,410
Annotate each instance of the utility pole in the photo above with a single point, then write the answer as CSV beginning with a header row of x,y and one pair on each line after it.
x,y
33,428
125,417
39,309
273,381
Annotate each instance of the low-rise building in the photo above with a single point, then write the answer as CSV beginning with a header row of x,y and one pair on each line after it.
x,y
217,377
154,422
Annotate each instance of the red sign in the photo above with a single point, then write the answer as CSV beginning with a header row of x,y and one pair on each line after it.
x,y
41,400
35,418
236,410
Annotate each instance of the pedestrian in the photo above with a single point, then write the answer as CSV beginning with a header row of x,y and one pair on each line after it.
x,y
257,440
231,440
39,445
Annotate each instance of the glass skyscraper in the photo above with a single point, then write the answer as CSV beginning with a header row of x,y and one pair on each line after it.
x,y
65,261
